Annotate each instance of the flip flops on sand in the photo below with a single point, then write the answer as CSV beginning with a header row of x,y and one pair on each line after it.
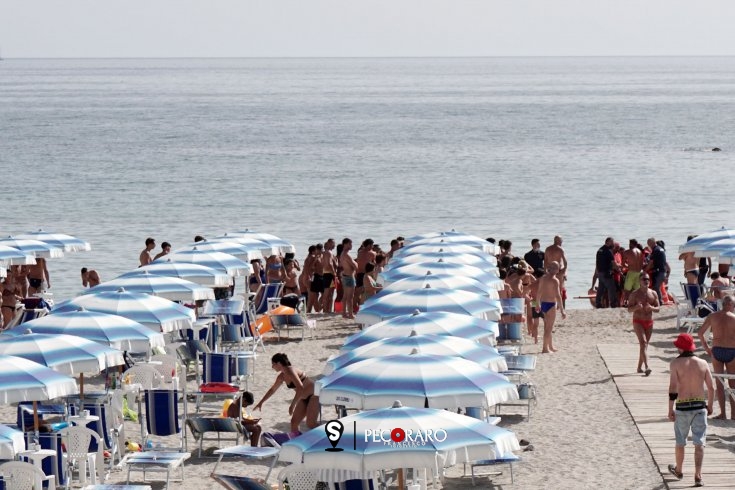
x,y
672,470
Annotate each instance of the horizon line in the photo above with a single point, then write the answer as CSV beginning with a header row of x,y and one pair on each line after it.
x,y
6,58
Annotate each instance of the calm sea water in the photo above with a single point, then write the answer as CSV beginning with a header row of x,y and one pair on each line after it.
x,y
114,151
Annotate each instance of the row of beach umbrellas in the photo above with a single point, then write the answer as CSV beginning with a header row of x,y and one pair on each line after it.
x,y
718,243
425,351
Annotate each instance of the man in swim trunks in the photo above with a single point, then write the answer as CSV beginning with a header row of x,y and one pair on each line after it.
x,y
555,253
90,278
658,268
691,265
145,256
643,303
365,255
689,376
165,250
535,258
349,268
549,298
633,262
329,272
722,351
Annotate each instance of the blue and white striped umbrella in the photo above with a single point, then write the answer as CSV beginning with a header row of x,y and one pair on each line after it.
x,y
113,330
67,354
23,380
33,247
246,240
13,256
239,250
438,267
716,248
421,248
416,379
158,314
369,441
485,262
200,274
451,238
384,306
438,345
272,240
171,288
437,322
450,281
216,260
12,441
67,243
698,242
727,256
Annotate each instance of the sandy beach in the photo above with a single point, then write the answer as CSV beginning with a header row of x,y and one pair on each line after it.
x,y
581,432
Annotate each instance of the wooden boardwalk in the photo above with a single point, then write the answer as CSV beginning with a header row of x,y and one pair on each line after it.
x,y
647,402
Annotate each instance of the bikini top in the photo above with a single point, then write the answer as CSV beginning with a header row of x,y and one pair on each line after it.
x,y
292,386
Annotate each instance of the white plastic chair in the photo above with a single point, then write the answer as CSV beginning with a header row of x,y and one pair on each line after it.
x,y
168,367
298,476
19,475
77,440
144,375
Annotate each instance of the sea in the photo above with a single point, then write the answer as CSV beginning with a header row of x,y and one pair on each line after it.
x,y
116,150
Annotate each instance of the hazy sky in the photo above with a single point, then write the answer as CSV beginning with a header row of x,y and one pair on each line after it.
x,y
244,28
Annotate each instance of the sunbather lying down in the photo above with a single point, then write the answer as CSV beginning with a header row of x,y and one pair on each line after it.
x,y
251,424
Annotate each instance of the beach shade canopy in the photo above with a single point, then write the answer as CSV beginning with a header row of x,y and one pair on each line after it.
x,y
220,261
439,267
417,323
716,248
422,248
454,239
728,256
24,380
199,274
418,380
700,241
67,243
244,239
67,354
12,441
241,251
171,288
282,245
485,262
370,442
13,256
158,314
383,306
443,280
438,345
33,247
112,330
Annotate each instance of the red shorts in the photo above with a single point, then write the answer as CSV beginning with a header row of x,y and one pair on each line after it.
x,y
644,324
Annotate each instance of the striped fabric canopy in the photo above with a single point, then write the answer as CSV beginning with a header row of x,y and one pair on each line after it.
x,y
113,330
13,256
22,380
437,322
705,239
417,380
271,240
216,260
485,262
239,250
159,314
66,354
12,442
33,247
200,274
367,444
384,306
171,288
421,268
439,345
420,248
244,239
67,243
443,280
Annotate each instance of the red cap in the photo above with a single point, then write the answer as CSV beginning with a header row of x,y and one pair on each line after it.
x,y
685,342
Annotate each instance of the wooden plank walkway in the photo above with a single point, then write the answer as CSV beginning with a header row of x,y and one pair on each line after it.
x,y
647,402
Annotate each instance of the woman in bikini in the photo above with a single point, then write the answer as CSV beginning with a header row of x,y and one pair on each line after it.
x,y
643,303
291,284
274,269
305,405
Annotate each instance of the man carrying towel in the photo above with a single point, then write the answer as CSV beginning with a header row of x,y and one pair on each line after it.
x,y
689,376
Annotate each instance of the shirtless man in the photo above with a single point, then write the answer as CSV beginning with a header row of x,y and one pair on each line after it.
x,y
633,261
165,250
555,253
722,351
719,284
349,269
365,255
691,265
549,298
316,287
643,303
329,273
37,275
145,255
90,278
689,376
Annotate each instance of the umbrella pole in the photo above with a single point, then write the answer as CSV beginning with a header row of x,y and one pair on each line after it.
x,y
401,481
81,386
35,417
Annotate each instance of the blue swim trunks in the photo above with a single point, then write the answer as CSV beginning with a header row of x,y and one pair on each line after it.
x,y
547,305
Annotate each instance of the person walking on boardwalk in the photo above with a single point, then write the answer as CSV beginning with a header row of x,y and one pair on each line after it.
x,y
722,350
643,303
687,407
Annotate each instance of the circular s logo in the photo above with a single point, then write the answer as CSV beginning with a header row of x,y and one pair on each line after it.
x,y
334,430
